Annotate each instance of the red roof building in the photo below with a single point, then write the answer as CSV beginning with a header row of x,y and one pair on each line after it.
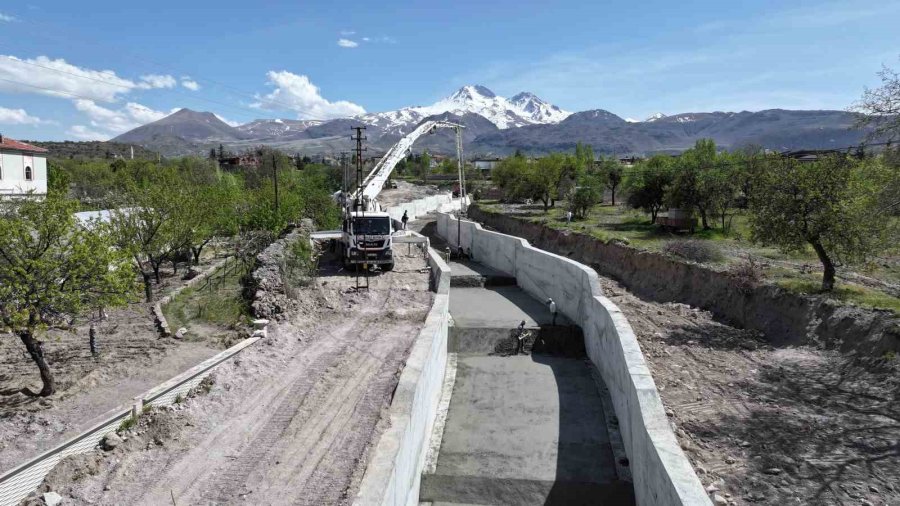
x,y
13,145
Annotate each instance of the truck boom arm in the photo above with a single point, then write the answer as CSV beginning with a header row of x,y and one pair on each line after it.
x,y
376,179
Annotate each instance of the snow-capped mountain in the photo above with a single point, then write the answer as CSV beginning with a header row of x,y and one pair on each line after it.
x,y
263,128
655,117
523,109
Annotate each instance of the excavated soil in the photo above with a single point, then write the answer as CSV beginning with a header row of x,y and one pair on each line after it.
x,y
292,419
132,359
771,425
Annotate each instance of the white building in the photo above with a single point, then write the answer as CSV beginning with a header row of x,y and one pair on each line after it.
x,y
486,165
23,169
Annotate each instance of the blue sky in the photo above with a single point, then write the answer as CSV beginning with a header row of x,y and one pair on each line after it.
x,y
93,69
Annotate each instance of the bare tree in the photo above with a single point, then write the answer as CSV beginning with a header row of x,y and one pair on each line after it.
x,y
880,107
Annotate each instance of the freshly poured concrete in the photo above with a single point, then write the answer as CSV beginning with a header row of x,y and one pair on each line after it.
x,y
499,307
526,429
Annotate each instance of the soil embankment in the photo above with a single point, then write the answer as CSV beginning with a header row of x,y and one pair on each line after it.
x,y
784,317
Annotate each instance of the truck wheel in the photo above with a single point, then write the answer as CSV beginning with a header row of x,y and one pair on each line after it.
x,y
387,267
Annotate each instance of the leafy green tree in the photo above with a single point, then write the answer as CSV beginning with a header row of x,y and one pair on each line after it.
x,y
831,205
52,269
692,188
587,194
150,229
614,176
648,185
542,179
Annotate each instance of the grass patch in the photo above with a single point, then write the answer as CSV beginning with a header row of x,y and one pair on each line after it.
x,y
848,293
216,301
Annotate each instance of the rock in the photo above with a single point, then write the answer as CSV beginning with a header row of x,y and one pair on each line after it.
x,y
111,441
180,333
717,499
873,489
701,470
773,471
711,488
52,498
670,413
729,460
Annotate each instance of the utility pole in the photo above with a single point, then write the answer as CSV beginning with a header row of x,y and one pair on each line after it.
x,y
460,165
275,179
359,203
345,176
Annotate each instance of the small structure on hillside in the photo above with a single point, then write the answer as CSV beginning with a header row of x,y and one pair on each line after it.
x,y
23,169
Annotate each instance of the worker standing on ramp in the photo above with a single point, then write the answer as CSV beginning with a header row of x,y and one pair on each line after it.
x,y
552,310
404,219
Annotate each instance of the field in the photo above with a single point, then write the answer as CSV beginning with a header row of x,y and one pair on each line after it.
x,y
875,283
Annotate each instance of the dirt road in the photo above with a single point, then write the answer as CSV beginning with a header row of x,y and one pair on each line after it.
x,y
766,425
290,421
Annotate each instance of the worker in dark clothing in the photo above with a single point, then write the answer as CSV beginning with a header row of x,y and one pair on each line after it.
x,y
404,219
520,338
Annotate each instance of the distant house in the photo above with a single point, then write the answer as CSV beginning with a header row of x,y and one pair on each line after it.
x,y
810,155
629,161
245,160
23,169
486,165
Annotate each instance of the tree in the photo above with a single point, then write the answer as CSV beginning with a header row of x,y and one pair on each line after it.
x,y
831,205
542,178
611,171
691,188
51,269
880,107
425,165
148,228
649,184
587,194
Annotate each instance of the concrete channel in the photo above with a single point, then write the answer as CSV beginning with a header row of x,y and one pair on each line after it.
x,y
524,428
574,419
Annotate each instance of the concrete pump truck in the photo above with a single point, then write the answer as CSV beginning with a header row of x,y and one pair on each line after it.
x,y
366,228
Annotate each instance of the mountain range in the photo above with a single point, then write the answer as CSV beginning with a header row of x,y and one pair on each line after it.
x,y
497,125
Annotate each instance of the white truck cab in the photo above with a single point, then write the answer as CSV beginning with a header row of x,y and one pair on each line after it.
x,y
366,239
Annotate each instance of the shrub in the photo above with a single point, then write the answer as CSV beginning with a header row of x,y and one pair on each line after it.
x,y
746,274
693,250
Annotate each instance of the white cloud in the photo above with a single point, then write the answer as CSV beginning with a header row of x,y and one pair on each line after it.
x,y
347,43
190,84
366,39
151,81
18,117
59,78
86,134
298,94
132,115
347,33
6,17
228,122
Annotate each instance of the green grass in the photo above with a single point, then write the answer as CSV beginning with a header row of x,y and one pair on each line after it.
x,y
619,223
218,303
848,293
